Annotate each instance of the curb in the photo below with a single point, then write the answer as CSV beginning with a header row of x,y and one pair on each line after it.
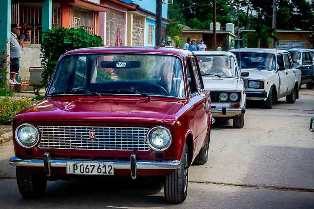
x,y
5,137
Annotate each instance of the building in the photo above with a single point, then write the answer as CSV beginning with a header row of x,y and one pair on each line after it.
x,y
145,16
41,15
286,39
225,39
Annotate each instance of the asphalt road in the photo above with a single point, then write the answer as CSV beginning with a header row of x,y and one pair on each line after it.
x,y
268,164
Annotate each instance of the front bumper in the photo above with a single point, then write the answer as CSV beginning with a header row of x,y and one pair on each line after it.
x,y
226,110
133,165
256,95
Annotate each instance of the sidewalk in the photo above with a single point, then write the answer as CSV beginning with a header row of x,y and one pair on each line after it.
x,y
5,133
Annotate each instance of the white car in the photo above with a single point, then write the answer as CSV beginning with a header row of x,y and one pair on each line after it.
x,y
221,75
269,75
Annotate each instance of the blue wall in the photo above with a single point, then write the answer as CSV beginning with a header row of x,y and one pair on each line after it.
x,y
150,5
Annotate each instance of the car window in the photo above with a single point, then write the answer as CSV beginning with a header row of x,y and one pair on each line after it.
x,y
307,59
216,65
196,73
256,60
153,75
191,77
280,61
287,62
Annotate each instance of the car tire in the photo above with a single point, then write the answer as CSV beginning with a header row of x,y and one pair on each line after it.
x,y
30,184
202,156
238,121
310,85
291,98
268,104
176,183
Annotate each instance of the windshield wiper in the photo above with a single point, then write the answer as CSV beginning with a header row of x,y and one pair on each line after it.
x,y
76,91
127,91
209,74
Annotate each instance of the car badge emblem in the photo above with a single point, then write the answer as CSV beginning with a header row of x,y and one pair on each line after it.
x,y
92,134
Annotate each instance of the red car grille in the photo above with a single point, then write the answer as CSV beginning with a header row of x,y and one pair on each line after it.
x,y
93,138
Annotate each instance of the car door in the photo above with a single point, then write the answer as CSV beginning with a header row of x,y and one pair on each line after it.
x,y
289,72
307,64
200,104
282,75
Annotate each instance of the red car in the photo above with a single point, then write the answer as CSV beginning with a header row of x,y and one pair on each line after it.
x,y
116,111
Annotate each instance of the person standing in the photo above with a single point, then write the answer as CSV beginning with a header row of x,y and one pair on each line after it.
x,y
202,46
15,53
193,46
187,44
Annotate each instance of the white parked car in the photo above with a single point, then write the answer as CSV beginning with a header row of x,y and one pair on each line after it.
x,y
221,75
269,75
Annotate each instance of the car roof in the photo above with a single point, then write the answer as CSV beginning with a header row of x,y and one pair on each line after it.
x,y
213,53
132,50
300,50
260,50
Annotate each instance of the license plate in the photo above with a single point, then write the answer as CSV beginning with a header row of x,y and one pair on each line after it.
x,y
90,168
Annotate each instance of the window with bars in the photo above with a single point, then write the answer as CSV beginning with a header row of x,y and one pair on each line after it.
x,y
29,17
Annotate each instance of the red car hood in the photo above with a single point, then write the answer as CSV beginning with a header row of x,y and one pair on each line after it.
x,y
103,109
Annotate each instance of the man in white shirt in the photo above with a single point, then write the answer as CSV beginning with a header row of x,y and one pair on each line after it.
x,y
202,46
187,44
15,53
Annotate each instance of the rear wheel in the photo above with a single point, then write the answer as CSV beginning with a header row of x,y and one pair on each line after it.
x,y
30,184
238,121
310,85
176,183
202,156
291,98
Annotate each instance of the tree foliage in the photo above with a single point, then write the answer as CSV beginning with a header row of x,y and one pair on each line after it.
x,y
57,41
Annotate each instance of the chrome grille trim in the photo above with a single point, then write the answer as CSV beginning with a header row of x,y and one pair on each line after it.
x,y
107,138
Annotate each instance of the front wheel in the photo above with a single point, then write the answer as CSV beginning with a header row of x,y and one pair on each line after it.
x,y
291,98
271,99
238,121
30,184
202,156
176,183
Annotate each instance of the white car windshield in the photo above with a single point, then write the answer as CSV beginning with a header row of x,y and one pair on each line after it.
x,y
256,60
151,75
215,65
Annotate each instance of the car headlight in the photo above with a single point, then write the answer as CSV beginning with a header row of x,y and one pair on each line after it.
x,y
27,135
223,97
159,138
234,97
256,84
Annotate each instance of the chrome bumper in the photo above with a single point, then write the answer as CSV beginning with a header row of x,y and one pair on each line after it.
x,y
132,165
225,113
62,163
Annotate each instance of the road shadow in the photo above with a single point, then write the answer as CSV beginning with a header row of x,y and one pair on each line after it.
x,y
109,192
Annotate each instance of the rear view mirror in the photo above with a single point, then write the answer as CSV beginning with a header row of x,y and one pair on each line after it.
x,y
245,74
312,125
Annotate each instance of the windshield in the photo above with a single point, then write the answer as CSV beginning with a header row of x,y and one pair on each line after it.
x,y
296,56
256,60
215,65
149,75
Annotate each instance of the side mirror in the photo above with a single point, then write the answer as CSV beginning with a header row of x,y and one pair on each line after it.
x,y
245,74
312,125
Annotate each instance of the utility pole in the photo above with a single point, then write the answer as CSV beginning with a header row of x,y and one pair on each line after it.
x,y
274,22
158,22
214,26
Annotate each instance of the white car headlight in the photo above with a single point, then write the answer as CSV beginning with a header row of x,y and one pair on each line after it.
x,y
159,138
234,97
27,135
256,84
223,97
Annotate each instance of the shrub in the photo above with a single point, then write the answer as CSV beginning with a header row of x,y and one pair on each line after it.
x,y
4,90
57,41
9,107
